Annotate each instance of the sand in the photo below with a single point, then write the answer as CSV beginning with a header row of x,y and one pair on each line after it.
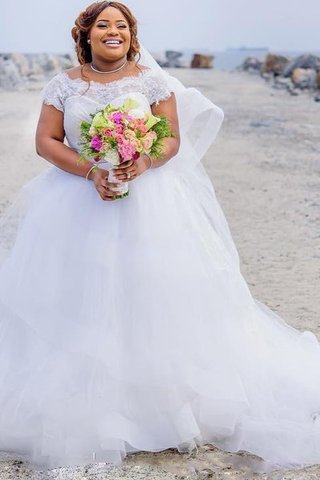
x,y
265,167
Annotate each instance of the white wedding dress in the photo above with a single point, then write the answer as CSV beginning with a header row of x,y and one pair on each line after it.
x,y
127,325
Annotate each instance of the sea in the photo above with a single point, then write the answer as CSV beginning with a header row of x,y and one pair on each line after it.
x,y
232,58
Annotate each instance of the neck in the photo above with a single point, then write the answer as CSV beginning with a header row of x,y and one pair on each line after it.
x,y
106,65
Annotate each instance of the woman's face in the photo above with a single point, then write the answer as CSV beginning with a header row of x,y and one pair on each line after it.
x,y
110,35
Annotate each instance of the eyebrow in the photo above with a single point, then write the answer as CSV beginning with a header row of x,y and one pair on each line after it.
x,y
105,20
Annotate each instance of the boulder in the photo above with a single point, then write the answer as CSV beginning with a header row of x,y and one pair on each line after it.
x,y
281,83
274,64
304,78
173,59
10,76
318,80
303,61
202,61
22,63
251,64
17,68
48,62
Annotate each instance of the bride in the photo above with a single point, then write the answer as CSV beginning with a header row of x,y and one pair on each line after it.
x,y
126,324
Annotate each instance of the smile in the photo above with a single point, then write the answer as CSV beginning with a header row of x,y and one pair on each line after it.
x,y
113,43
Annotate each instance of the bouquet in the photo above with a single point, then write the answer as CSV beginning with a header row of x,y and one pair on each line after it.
x,y
117,134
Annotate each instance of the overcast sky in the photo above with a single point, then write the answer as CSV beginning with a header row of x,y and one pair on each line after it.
x,y
44,25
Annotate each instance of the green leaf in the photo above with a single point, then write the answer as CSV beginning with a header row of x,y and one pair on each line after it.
x,y
130,104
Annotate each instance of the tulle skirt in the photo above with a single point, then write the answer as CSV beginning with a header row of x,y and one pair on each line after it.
x,y
127,326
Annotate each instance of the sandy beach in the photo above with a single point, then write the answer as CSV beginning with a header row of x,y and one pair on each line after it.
x,y
265,166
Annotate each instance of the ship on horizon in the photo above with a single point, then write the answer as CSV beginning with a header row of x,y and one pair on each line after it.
x,y
245,49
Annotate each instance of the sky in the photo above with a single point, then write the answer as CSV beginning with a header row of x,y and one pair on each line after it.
x,y
32,26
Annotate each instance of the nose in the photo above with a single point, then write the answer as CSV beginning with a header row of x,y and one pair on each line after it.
x,y
112,30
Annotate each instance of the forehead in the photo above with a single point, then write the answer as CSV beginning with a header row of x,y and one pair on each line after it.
x,y
111,13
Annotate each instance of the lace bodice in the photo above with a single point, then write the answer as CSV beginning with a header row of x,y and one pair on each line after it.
x,y
77,101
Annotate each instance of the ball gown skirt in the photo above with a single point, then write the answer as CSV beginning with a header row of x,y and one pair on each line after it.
x,y
127,326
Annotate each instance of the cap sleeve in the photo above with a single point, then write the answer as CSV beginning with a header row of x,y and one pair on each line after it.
x,y
156,87
54,92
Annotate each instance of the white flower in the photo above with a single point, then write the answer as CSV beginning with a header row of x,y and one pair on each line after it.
x,y
112,156
136,113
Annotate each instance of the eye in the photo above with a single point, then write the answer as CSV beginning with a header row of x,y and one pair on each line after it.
x,y
105,25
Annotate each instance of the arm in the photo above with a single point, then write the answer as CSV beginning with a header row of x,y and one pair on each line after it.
x,y
168,108
49,143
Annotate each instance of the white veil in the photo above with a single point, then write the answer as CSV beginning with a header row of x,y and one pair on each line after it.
x,y
199,118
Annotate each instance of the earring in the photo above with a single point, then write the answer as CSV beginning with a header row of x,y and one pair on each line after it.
x,y
89,41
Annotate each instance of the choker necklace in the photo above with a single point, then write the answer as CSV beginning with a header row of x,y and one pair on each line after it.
x,y
109,71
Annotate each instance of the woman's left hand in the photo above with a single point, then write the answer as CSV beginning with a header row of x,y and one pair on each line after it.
x,y
131,169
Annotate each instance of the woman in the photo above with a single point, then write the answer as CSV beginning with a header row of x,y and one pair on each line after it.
x,y
126,324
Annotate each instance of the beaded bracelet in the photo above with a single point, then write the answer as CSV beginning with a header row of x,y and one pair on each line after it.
x,y
91,169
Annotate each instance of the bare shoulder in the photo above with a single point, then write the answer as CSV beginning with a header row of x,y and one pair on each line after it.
x,y
138,68
74,72
143,67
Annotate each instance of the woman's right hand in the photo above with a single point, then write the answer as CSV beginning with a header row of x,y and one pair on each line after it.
x,y
106,190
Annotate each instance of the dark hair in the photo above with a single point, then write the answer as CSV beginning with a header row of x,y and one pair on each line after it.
x,y
86,19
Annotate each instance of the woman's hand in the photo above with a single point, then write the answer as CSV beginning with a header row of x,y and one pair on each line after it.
x,y
106,190
131,169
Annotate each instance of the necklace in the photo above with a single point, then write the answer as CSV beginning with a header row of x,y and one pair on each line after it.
x,y
109,71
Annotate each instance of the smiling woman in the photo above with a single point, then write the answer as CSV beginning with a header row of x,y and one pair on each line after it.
x,y
113,21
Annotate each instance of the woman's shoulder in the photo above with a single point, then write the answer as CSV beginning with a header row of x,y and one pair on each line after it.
x,y
73,73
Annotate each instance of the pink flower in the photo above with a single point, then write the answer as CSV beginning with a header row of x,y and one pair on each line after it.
x,y
126,149
96,143
117,117
146,144
119,129
135,156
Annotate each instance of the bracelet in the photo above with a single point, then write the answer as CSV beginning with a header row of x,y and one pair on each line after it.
x,y
91,169
150,166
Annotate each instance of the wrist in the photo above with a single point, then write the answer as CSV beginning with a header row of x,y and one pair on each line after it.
x,y
91,172
147,161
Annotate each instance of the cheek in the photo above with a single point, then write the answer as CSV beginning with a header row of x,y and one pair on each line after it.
x,y
94,36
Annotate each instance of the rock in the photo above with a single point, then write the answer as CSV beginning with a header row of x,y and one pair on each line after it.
x,y
304,78
10,76
293,91
281,83
17,68
251,64
173,59
48,62
274,64
202,61
22,63
303,61
317,97
318,80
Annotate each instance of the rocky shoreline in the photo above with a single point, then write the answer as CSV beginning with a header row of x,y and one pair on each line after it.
x,y
20,70
293,75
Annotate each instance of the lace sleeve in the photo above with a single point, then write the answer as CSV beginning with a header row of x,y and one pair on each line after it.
x,y
156,88
54,92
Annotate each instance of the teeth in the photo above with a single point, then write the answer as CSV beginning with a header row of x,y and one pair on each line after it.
x,y
112,42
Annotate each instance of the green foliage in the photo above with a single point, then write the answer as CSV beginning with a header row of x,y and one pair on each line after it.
x,y
163,130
